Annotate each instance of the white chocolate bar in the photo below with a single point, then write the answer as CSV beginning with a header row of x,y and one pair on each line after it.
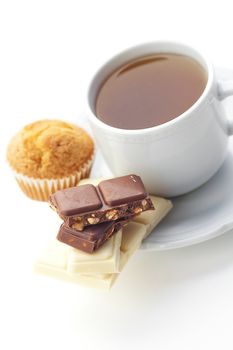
x,y
152,218
90,181
55,256
53,263
132,237
55,260
105,260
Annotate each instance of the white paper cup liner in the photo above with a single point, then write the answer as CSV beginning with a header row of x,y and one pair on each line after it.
x,y
41,189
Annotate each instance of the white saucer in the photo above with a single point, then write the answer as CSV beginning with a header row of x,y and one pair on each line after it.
x,y
199,215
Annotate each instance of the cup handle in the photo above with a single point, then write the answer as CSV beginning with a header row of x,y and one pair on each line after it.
x,y
225,89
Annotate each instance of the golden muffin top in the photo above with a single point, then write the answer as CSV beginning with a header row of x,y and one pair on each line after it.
x,y
49,149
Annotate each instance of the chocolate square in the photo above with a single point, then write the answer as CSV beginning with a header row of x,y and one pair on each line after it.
x,y
122,190
76,200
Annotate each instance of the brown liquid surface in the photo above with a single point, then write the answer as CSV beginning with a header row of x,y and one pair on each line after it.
x,y
149,91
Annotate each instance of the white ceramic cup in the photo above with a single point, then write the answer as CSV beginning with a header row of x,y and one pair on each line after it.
x,y
175,157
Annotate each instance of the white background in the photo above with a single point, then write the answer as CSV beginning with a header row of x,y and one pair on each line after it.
x,y
169,300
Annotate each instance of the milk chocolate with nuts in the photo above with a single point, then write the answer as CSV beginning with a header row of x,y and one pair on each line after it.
x,y
92,237
111,200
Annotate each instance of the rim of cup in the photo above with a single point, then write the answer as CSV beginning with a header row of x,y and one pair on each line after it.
x,y
162,47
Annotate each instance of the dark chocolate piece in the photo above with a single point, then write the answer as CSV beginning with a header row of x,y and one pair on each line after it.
x,y
122,190
111,200
92,237
82,199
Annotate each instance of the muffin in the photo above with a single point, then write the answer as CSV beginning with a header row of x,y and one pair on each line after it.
x,y
49,155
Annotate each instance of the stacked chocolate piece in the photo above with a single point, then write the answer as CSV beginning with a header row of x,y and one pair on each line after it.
x,y
93,214
69,258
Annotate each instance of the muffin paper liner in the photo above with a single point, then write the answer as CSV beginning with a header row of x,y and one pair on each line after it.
x,y
41,189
